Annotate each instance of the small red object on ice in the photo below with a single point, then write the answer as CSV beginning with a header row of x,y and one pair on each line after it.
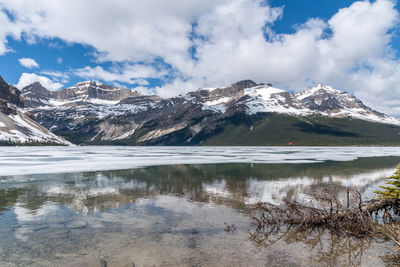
x,y
291,144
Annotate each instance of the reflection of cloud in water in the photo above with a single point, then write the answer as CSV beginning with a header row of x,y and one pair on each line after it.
x,y
299,188
81,191
29,220
217,188
26,215
274,191
101,190
92,192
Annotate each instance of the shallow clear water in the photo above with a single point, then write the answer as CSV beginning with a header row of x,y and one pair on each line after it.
x,y
175,214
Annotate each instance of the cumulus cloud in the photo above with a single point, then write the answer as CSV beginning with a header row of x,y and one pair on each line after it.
x,y
129,73
28,62
217,42
29,78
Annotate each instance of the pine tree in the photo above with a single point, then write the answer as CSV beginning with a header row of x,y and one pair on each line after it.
x,y
392,187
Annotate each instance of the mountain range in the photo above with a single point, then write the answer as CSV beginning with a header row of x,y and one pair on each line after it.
x,y
243,113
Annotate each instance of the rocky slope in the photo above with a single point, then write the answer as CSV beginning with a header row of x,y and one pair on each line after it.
x,y
18,126
91,112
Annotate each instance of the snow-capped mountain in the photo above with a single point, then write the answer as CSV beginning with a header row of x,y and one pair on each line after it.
x,y
336,103
16,125
320,100
35,95
91,112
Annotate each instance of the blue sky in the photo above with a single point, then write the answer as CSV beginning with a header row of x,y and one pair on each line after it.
x,y
171,47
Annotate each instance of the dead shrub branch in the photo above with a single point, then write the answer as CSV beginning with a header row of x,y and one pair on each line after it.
x,y
348,215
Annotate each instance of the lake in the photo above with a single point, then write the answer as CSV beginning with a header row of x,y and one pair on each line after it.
x,y
170,206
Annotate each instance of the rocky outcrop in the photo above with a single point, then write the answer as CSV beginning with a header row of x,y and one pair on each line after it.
x,y
17,125
212,94
35,95
93,90
9,95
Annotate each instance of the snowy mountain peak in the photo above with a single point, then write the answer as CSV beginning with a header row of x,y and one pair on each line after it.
x,y
318,90
264,91
94,89
93,84
35,95
87,83
336,103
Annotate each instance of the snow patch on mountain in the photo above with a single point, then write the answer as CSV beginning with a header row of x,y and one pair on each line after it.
x,y
318,89
217,105
20,128
271,99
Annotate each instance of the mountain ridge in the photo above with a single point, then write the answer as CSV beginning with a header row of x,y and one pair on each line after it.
x,y
263,98
36,95
201,115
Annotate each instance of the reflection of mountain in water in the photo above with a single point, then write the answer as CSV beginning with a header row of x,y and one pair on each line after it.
x,y
230,184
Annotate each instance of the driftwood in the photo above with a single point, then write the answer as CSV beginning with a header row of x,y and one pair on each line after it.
x,y
391,232
340,229
376,205
348,215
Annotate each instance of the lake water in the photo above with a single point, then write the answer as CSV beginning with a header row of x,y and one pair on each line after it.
x,y
167,206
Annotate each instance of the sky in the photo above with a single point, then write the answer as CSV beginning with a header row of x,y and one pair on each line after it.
x,y
170,47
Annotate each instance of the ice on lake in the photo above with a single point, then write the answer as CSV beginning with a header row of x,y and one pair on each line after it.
x,y
37,160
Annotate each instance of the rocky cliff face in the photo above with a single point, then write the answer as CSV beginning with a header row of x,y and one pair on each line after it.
x,y
36,95
84,91
216,94
17,125
93,112
9,94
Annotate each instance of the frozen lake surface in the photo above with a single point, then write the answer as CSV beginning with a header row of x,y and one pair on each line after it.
x,y
38,160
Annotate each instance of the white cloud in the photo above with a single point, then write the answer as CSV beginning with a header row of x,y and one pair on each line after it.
x,y
57,75
29,78
59,60
131,74
177,87
352,50
28,62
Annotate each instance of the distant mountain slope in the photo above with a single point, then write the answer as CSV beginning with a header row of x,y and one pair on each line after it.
x,y
316,130
95,113
16,125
